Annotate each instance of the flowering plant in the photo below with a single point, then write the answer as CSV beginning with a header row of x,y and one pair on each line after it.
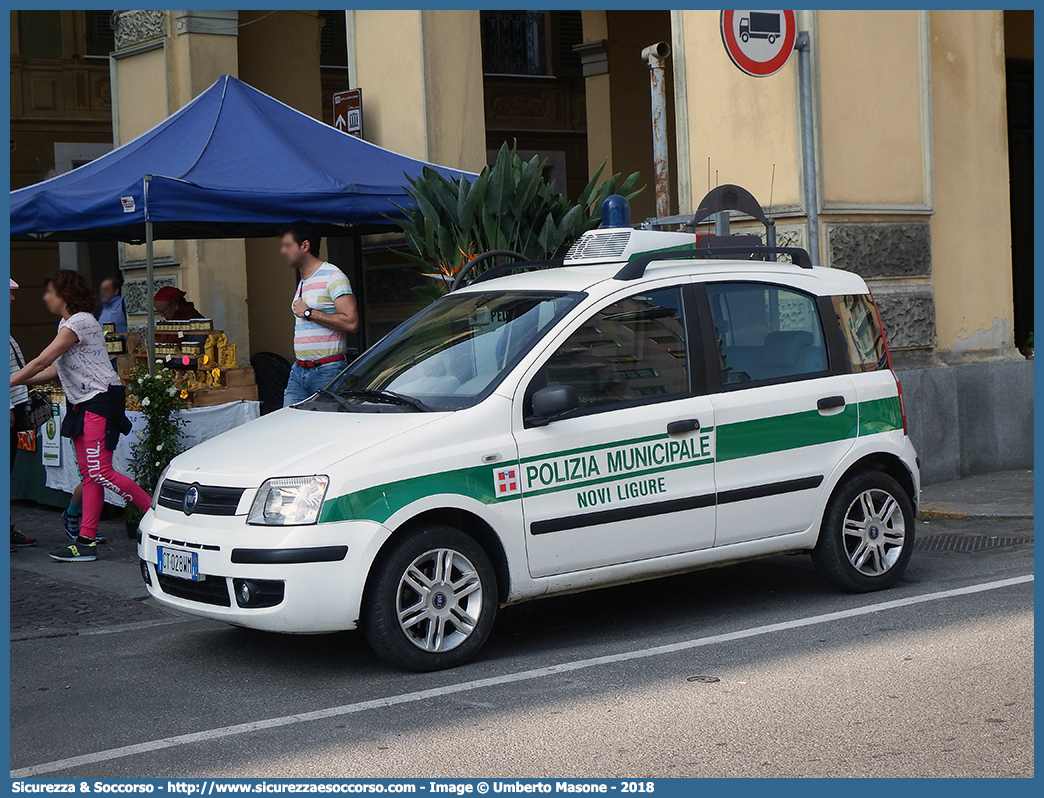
x,y
160,442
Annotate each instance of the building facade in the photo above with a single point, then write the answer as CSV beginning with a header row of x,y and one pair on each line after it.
x,y
922,137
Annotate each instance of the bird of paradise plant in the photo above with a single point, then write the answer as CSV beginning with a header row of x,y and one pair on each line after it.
x,y
510,205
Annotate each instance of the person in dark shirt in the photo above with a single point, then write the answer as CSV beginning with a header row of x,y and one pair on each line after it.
x,y
171,304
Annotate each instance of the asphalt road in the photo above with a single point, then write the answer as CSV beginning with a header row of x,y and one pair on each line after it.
x,y
937,687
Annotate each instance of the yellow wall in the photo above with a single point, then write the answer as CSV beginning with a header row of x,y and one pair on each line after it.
x,y
196,61
421,74
421,77
971,237
743,124
140,89
872,129
870,99
388,63
141,81
599,100
453,86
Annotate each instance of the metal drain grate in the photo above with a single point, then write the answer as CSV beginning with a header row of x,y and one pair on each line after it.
x,y
968,543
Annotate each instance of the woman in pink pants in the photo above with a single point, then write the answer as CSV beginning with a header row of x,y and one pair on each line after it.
x,y
95,416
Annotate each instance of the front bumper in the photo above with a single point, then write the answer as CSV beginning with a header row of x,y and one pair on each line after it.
x,y
312,577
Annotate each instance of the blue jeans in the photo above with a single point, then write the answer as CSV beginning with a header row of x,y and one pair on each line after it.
x,y
304,382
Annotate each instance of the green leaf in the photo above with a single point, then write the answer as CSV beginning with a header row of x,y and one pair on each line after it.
x,y
499,182
463,189
547,229
628,185
585,196
476,195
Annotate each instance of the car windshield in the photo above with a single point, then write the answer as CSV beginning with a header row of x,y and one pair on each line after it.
x,y
452,354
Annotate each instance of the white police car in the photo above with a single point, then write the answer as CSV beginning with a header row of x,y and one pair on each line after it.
x,y
645,408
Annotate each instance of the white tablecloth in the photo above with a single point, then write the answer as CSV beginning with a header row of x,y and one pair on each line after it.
x,y
201,423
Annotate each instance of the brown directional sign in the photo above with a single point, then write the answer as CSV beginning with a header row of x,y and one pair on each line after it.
x,y
347,112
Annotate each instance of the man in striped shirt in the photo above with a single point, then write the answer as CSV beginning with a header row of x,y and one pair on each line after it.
x,y
325,312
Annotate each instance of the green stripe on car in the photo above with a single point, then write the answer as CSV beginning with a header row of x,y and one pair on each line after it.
x,y
742,439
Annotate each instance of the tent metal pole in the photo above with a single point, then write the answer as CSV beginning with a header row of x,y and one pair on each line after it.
x,y
151,289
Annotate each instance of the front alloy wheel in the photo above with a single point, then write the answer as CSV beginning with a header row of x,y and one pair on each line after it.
x,y
439,601
867,534
430,600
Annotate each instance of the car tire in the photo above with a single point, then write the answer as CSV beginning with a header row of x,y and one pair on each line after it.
x,y
431,600
867,535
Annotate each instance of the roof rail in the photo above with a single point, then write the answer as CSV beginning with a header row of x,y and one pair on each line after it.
x,y
635,269
503,268
458,278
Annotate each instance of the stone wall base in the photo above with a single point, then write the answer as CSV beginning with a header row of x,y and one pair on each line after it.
x,y
970,418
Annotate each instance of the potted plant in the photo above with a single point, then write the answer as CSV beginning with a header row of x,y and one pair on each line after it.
x,y
160,399
510,205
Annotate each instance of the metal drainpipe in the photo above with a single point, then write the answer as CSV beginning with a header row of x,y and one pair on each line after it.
x,y
655,55
804,47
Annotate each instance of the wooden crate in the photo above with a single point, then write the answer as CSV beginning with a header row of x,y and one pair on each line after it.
x,y
208,397
238,378
125,362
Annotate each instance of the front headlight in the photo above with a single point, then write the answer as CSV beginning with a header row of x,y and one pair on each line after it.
x,y
289,501
159,485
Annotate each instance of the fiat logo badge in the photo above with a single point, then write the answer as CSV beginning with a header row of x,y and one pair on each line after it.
x,y
190,500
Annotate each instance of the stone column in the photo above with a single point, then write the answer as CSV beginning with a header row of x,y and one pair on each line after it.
x,y
163,59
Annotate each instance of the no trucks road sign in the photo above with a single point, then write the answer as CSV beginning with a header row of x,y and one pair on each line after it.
x,y
758,42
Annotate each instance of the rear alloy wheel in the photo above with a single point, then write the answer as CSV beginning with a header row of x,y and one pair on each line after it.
x,y
431,601
867,534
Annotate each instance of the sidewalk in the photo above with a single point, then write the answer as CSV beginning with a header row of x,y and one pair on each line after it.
x,y
1003,494
51,599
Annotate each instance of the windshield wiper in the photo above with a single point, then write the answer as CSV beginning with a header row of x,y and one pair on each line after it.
x,y
344,403
389,397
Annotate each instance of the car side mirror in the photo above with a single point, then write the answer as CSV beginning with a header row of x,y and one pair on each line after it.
x,y
551,402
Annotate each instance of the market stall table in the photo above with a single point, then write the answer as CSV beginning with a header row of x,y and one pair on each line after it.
x,y
201,424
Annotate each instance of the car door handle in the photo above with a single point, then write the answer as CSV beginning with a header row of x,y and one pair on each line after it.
x,y
830,402
678,427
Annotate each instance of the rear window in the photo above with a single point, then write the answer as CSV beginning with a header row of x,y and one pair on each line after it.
x,y
864,341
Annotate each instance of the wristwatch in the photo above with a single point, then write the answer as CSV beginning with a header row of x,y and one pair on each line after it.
x,y
307,314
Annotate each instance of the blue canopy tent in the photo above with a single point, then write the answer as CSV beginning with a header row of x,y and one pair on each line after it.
x,y
232,163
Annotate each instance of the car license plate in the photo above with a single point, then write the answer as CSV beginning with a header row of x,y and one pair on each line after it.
x,y
175,562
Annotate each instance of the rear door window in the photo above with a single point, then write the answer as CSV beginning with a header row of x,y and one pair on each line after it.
x,y
864,340
766,333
